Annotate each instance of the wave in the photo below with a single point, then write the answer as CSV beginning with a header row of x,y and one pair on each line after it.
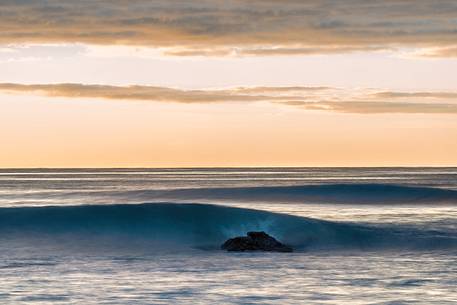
x,y
159,226
328,193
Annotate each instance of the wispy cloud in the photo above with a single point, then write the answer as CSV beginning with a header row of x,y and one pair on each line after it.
x,y
240,27
159,94
366,101
439,52
369,107
409,95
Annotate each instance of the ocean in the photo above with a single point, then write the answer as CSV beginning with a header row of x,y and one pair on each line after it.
x,y
153,236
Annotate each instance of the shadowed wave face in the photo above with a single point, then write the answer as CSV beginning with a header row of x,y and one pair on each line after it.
x,y
170,227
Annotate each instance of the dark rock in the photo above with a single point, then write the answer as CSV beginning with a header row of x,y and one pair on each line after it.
x,y
255,241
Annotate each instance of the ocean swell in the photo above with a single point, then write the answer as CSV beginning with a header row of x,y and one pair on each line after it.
x,y
157,226
328,193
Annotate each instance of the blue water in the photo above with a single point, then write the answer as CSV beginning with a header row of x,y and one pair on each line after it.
x,y
152,236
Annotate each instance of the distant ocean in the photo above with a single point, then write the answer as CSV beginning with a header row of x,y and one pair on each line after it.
x,y
152,236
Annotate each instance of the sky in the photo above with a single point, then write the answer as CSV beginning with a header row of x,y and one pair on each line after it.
x,y
170,83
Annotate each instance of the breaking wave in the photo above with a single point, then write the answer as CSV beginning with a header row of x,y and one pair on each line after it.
x,y
155,226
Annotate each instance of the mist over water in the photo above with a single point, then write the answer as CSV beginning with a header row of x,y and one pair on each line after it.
x,y
382,235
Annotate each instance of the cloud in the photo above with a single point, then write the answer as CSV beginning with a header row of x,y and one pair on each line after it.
x,y
439,52
152,93
378,107
271,50
366,101
235,27
428,95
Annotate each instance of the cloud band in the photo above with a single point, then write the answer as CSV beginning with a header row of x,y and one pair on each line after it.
x,y
310,98
216,27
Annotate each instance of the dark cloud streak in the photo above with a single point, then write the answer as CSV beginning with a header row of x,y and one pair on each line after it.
x,y
240,27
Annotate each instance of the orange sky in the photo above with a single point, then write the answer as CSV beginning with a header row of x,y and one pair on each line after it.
x,y
39,132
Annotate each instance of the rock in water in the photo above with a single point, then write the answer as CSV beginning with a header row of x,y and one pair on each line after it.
x,y
255,241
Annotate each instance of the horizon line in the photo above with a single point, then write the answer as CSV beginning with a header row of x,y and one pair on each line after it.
x,y
231,167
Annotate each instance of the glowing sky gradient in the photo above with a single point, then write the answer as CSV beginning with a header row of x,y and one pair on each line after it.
x,y
232,83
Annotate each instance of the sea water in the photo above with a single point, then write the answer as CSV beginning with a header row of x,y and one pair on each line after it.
x,y
152,236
